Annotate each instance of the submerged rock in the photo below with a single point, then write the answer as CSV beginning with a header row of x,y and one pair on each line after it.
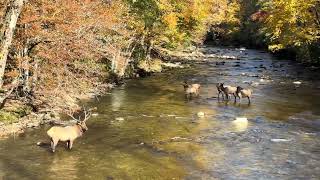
x,y
241,120
240,124
95,114
200,114
220,63
120,119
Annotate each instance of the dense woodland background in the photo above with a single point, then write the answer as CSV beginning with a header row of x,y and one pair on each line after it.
x,y
61,49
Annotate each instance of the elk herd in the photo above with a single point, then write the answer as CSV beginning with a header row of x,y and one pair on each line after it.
x,y
71,132
225,90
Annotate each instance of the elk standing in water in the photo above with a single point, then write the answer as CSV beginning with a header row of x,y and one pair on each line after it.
x,y
220,91
229,90
68,133
244,93
192,89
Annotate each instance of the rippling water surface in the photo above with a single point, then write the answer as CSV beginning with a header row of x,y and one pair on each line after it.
x,y
146,129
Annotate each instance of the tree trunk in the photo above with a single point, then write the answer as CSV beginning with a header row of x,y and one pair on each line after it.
x,y
10,21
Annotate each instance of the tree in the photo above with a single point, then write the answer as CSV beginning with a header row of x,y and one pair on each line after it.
x,y
9,24
292,24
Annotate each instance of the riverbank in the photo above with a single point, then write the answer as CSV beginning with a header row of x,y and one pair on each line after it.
x,y
207,53
49,112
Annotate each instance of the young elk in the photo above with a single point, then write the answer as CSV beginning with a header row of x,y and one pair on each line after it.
x,y
68,133
244,93
219,90
192,89
229,90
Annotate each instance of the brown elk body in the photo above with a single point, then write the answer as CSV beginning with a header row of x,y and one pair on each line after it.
x,y
244,93
191,89
68,133
227,90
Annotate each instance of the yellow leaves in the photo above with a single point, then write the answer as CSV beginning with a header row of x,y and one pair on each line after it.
x,y
179,22
291,23
165,6
171,20
276,47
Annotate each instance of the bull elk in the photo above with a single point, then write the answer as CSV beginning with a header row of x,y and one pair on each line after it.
x,y
68,133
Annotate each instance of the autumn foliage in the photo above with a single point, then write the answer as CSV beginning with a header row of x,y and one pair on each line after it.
x,y
69,47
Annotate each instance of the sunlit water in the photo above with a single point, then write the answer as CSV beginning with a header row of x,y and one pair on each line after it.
x,y
146,129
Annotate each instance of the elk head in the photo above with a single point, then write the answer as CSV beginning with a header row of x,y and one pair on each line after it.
x,y
239,88
82,122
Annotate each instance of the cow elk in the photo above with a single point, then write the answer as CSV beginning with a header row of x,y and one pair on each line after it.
x,y
227,90
191,89
244,93
220,91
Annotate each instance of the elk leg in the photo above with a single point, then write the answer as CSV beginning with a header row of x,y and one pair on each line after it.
x,y
51,143
54,144
235,97
249,100
70,144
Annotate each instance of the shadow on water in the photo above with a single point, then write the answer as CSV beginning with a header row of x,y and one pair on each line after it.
x,y
146,129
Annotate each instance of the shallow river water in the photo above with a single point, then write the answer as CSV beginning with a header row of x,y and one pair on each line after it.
x,y
146,129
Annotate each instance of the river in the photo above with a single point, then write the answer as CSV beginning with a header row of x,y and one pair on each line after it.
x,y
146,129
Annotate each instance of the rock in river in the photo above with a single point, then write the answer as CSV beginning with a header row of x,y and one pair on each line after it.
x,y
200,114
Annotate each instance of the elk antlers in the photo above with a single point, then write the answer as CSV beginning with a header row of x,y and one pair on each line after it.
x,y
83,112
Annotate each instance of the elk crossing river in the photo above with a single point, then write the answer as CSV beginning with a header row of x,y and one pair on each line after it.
x,y
146,129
